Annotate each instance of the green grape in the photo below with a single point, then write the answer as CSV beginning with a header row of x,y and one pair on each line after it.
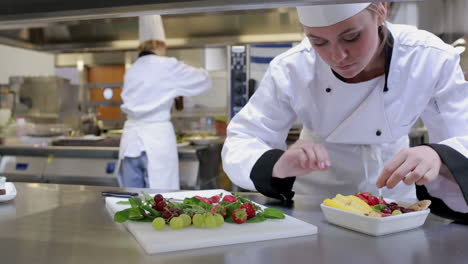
x,y
219,219
396,212
198,220
159,223
176,223
186,218
210,221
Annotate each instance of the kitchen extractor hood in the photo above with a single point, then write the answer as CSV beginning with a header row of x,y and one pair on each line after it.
x,y
182,30
43,11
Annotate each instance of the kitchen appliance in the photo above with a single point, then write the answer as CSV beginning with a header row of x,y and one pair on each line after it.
x,y
67,165
46,100
238,79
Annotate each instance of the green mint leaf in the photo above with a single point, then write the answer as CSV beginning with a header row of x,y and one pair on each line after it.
x,y
135,202
229,219
378,207
148,198
122,216
257,219
273,213
123,202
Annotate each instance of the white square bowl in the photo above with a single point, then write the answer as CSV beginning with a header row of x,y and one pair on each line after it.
x,y
375,226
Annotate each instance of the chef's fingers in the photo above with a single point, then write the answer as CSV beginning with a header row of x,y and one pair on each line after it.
x,y
302,157
309,151
417,174
429,176
322,157
400,173
390,168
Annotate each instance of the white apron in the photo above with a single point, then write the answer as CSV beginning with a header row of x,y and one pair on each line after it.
x,y
159,142
354,167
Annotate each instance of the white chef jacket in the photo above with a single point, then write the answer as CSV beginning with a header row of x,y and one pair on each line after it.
x,y
150,86
425,80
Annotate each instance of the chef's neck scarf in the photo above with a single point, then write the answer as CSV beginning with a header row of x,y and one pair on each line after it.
x,y
145,52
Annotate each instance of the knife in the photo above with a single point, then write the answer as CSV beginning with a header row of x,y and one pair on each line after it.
x,y
119,194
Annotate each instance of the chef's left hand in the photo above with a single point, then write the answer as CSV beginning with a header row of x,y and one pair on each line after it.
x,y
418,165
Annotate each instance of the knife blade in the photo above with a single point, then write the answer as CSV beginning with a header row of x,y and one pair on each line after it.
x,y
120,194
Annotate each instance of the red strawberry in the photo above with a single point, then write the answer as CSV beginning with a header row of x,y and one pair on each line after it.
x,y
372,200
365,194
382,201
239,215
249,209
218,209
215,198
229,199
203,199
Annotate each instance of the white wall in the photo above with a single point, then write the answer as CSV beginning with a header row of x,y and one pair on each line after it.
x,y
17,61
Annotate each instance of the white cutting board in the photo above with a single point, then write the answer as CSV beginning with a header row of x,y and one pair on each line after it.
x,y
167,240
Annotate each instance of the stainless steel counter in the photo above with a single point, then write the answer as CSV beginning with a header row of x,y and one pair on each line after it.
x,y
49,223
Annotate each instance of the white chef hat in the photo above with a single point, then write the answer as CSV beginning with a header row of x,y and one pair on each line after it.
x,y
151,27
327,15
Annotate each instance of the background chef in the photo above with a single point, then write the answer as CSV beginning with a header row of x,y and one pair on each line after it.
x,y
148,149
357,84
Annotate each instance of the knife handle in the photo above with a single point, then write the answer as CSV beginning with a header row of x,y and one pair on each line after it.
x,y
119,194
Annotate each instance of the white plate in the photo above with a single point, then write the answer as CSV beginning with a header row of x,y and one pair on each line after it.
x,y
375,226
10,192
183,144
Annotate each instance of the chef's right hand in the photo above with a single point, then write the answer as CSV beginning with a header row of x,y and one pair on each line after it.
x,y
301,158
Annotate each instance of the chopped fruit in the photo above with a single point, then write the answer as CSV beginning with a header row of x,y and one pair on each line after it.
x,y
158,198
176,223
215,198
159,223
372,200
396,212
239,216
230,199
160,206
203,199
249,209
421,205
349,203
186,218
198,220
219,220
210,221
218,209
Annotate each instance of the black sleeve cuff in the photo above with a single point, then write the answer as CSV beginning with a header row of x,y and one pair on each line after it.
x,y
261,175
458,166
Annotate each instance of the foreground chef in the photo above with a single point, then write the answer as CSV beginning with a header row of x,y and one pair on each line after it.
x,y
357,84
148,149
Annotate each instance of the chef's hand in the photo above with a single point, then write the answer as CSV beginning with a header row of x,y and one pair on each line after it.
x,y
418,165
301,158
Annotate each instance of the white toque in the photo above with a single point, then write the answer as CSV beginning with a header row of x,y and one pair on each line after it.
x,y
327,15
151,27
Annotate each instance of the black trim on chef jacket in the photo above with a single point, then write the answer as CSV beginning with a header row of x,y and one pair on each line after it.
x,y
388,51
145,52
261,176
458,166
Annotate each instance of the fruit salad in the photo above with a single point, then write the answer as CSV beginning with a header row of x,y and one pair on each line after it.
x,y
201,212
367,204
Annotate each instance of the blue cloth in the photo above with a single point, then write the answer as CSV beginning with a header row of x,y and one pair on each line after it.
x,y
134,172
